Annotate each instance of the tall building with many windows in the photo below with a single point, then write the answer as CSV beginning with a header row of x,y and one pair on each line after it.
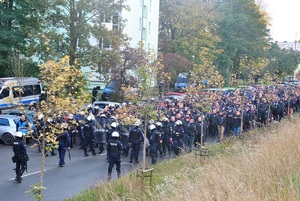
x,y
140,23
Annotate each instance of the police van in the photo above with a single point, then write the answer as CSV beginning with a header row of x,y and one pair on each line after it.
x,y
16,90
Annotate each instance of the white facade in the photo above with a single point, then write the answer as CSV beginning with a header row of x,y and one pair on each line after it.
x,y
140,23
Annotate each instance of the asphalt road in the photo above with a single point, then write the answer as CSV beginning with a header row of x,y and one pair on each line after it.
x,y
78,174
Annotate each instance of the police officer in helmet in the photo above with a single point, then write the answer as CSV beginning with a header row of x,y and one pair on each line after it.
x,y
114,148
136,137
20,156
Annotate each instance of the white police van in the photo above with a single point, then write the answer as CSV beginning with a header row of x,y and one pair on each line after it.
x,y
16,89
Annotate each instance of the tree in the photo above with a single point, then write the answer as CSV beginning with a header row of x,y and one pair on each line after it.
x,y
172,65
19,20
244,34
57,77
282,62
69,27
188,29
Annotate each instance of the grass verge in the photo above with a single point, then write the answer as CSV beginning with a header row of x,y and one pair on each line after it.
x,y
260,165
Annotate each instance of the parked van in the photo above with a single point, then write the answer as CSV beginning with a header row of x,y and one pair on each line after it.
x,y
110,90
181,83
14,89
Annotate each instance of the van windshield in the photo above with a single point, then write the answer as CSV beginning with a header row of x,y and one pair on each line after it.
x,y
182,80
113,84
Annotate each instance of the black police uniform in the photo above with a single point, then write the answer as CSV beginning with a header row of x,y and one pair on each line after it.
x,y
20,158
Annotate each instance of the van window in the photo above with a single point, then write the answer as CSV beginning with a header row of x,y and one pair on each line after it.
x,y
5,92
17,91
37,89
182,80
28,90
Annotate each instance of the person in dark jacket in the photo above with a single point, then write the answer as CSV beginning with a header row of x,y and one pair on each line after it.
x,y
192,132
237,124
229,122
20,156
177,137
154,142
88,135
136,137
114,148
63,144
167,130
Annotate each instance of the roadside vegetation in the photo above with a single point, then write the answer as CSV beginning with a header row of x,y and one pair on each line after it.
x,y
260,165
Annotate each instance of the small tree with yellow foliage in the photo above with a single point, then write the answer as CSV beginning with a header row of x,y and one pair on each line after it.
x,y
64,87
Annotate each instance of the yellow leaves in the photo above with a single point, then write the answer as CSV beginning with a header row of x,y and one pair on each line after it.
x,y
58,79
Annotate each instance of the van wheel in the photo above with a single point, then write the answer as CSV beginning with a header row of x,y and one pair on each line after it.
x,y
7,138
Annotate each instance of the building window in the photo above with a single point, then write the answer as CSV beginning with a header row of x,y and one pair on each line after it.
x,y
140,23
115,21
104,42
104,18
150,5
149,28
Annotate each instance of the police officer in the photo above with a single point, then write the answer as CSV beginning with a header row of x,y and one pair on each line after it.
x,y
166,136
101,135
154,142
63,144
88,135
20,156
136,136
72,129
114,148
81,118
159,128
177,137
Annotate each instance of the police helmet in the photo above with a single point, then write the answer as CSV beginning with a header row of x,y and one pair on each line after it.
x,y
71,116
178,123
19,134
158,124
152,127
89,106
137,123
113,125
97,107
40,117
115,134
64,125
151,121
103,115
166,119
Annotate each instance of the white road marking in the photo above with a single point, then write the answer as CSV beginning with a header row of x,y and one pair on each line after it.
x,y
29,174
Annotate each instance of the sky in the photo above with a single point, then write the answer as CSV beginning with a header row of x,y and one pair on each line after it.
x,y
285,19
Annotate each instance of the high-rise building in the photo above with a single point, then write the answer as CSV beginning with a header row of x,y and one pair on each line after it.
x,y
140,23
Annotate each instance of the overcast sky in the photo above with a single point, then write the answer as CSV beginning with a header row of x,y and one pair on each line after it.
x,y
285,19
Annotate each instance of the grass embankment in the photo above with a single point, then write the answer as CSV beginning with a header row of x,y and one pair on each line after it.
x,y
260,165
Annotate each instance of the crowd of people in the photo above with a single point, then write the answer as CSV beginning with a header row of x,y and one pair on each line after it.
x,y
178,124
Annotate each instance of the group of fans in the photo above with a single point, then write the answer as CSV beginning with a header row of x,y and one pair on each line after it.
x,y
178,124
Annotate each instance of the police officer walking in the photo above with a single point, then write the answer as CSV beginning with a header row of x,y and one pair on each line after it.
x,y
63,144
88,135
20,156
114,148
136,137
